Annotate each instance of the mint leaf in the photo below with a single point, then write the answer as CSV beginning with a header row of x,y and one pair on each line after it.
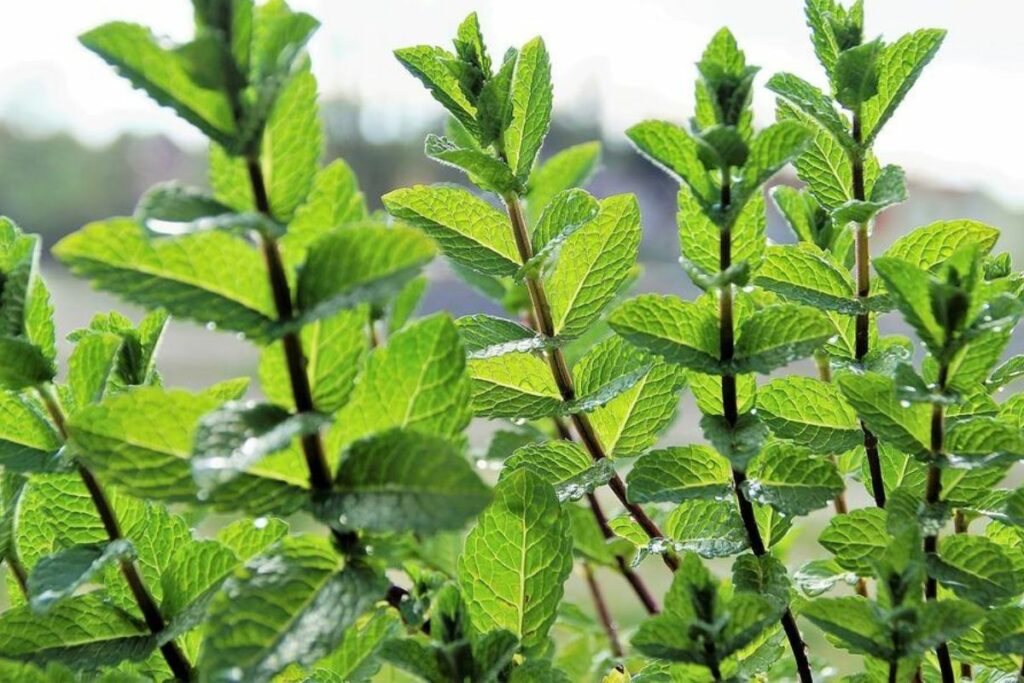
x,y
404,481
24,364
777,335
59,575
435,68
486,336
142,440
739,441
530,108
469,231
672,149
210,277
889,189
856,539
567,212
873,396
675,474
174,209
334,200
484,169
770,150
631,422
357,657
680,331
855,76
899,67
813,103
975,568
806,274
290,605
699,235
911,291
136,54
28,442
84,632
809,412
593,265
353,265
569,168
709,527
564,465
516,559
514,385
855,623
932,244
791,479
91,365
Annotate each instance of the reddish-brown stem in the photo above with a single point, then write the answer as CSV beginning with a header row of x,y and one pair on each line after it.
x,y
563,378
601,607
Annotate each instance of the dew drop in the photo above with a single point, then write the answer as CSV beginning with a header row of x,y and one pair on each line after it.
x,y
904,403
211,326
260,522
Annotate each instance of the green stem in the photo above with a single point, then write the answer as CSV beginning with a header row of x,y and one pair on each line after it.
x,y
933,496
563,378
175,658
730,411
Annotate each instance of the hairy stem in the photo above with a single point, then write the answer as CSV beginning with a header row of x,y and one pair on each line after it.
x,y
863,320
933,495
563,378
730,411
295,358
603,615
173,655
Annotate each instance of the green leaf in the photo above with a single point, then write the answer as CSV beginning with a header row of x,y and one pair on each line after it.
x,y
820,576
353,265
856,539
825,165
415,657
564,465
889,189
765,575
805,274
84,632
791,479
699,236
24,364
567,212
1003,630
680,331
984,440
404,481
357,657
777,335
873,396
289,153
516,560
469,231
672,475
418,381
1006,373
292,604
28,443
771,149
911,291
855,77
826,48
231,439
57,576
335,349
210,277
932,244
174,209
569,168
593,265
142,440
631,422
487,336
899,66
434,67
809,412
514,385
530,114
483,168
709,527
856,625
334,200
90,366
672,149
975,568
707,392
137,55
814,104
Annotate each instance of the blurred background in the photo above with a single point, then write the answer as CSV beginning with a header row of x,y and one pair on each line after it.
x,y
78,144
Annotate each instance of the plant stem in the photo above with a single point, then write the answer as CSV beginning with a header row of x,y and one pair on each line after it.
x,y
18,570
839,502
863,321
175,658
634,580
933,493
563,378
730,411
312,445
603,614
893,668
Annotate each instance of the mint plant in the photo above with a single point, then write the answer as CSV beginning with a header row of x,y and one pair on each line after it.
x,y
282,253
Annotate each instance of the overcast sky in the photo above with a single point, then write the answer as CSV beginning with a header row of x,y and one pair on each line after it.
x,y
623,60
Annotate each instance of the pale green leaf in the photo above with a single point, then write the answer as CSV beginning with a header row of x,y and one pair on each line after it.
x,y
873,396
57,576
530,108
334,200
777,335
468,230
516,560
680,331
569,168
672,475
564,465
27,440
932,244
805,274
671,148
856,539
514,385
791,479
809,412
